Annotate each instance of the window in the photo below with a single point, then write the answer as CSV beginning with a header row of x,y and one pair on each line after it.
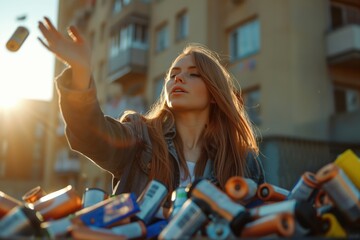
x,y
182,26
132,35
343,14
162,39
252,105
139,35
245,40
119,5
346,99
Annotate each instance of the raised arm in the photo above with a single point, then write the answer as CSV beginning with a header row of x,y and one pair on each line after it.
x,y
104,140
73,50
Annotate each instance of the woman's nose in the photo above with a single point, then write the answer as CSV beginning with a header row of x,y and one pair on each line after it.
x,y
179,78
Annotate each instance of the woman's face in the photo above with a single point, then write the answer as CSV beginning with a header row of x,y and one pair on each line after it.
x,y
185,89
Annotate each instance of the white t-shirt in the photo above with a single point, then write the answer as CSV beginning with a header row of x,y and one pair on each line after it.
x,y
185,182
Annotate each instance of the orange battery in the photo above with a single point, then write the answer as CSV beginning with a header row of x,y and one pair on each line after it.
x,y
269,192
17,39
7,203
280,225
240,189
341,190
58,204
33,195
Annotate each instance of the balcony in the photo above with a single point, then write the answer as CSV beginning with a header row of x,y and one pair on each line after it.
x,y
343,46
343,55
127,63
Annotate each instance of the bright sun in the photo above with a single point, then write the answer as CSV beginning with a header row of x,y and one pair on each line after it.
x,y
8,100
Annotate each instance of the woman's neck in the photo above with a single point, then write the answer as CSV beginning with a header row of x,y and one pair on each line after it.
x,y
190,128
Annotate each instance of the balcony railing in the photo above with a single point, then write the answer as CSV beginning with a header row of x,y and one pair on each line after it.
x,y
127,61
343,41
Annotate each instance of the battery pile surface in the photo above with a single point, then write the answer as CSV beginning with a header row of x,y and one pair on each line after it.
x,y
322,204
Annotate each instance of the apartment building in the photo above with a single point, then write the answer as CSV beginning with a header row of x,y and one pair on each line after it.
x,y
23,139
296,62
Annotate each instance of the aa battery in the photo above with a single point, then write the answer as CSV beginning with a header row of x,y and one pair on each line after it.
x,y
83,232
58,204
350,164
20,221
220,203
33,195
162,213
240,189
341,190
277,225
17,39
218,228
132,230
303,212
153,230
322,199
271,193
92,196
333,228
101,215
178,198
151,199
191,217
7,203
305,188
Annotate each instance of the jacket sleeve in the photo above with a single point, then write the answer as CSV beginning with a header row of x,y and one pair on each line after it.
x,y
104,140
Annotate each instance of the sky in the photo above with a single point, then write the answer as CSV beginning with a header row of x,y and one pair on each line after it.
x,y
29,72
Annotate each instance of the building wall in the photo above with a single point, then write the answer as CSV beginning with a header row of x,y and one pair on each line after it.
x,y
290,70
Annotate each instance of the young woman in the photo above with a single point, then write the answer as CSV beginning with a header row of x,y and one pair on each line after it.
x,y
198,127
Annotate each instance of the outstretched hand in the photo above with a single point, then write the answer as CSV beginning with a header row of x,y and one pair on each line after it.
x,y
73,51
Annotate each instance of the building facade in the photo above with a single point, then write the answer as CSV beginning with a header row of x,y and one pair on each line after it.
x,y
24,129
296,62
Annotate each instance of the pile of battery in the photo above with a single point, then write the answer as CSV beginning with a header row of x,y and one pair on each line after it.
x,y
325,203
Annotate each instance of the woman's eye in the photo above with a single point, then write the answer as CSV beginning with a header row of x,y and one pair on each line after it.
x,y
195,75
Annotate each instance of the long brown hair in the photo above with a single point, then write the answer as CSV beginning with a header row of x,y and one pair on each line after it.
x,y
227,138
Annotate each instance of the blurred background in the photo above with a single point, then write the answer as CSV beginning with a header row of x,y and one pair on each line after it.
x,y
297,63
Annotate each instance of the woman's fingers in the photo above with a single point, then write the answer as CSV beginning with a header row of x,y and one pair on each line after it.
x,y
44,44
75,34
51,27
